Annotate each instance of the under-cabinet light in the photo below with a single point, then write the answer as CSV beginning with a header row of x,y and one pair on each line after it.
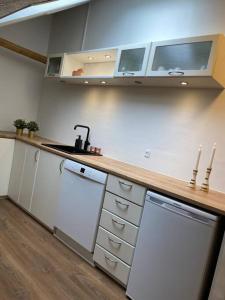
x,y
184,83
107,56
86,82
103,82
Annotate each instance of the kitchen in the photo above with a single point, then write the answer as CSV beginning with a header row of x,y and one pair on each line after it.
x,y
149,136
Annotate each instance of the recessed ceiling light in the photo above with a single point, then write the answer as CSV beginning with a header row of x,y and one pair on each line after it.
x,y
86,82
103,82
90,57
107,56
184,83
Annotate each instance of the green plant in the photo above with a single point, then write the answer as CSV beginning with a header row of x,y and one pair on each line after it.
x,y
32,126
20,124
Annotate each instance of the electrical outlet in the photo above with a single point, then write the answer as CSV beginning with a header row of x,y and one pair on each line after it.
x,y
147,153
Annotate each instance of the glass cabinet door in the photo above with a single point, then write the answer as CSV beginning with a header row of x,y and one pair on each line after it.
x,y
54,66
184,57
132,61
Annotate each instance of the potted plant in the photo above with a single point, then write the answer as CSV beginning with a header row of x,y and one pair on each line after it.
x,y
32,127
20,124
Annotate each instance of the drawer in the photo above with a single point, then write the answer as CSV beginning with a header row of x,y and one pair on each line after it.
x,y
121,228
114,245
111,264
123,208
126,189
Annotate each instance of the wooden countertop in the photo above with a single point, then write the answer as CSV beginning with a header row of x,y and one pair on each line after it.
x,y
212,201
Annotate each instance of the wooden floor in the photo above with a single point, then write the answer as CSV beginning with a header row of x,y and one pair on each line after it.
x,y
34,265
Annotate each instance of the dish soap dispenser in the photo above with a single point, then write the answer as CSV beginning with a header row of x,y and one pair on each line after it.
x,y
78,143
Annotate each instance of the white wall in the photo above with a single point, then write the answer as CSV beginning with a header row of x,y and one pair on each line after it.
x,y
72,22
32,34
21,79
126,121
118,22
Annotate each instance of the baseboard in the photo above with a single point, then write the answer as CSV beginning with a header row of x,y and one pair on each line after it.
x,y
30,215
74,246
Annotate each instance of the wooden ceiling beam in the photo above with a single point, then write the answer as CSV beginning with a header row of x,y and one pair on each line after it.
x,y
23,51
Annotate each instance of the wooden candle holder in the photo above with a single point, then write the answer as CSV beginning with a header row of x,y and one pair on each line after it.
x,y
192,183
205,184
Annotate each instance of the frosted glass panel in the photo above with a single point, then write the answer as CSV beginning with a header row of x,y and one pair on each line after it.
x,y
188,56
131,60
54,66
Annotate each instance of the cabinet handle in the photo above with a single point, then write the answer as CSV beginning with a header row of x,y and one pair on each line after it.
x,y
126,185
114,242
110,260
128,73
118,223
123,204
61,166
36,156
176,73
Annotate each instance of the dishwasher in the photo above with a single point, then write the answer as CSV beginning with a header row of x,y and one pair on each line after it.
x,y
79,206
174,251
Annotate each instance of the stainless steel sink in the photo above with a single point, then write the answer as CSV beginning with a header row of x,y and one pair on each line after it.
x,y
70,149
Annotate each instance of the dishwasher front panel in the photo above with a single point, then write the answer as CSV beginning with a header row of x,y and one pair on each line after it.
x,y
172,255
79,207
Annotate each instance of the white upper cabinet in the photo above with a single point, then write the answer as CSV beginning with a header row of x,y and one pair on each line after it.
x,y
132,61
190,57
54,65
197,62
89,64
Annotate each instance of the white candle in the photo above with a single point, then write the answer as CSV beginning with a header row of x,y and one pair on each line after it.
x,y
198,158
213,155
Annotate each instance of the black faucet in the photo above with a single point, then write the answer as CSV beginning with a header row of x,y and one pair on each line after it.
x,y
86,143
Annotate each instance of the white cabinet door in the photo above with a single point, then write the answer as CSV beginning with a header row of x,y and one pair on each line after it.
x,y
6,158
17,170
54,65
183,57
46,188
132,61
28,178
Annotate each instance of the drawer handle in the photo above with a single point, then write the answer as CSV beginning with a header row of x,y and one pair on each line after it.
x,y
36,156
125,185
176,73
128,73
111,260
123,204
114,242
61,166
118,223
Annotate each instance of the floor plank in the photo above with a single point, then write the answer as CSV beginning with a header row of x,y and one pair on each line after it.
x,y
36,266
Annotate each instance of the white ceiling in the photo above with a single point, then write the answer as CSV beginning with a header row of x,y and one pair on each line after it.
x,y
40,10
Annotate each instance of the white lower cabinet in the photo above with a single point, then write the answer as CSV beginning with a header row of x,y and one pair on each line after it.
x,y
6,158
121,228
118,227
115,245
112,264
46,188
17,171
28,177
35,180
